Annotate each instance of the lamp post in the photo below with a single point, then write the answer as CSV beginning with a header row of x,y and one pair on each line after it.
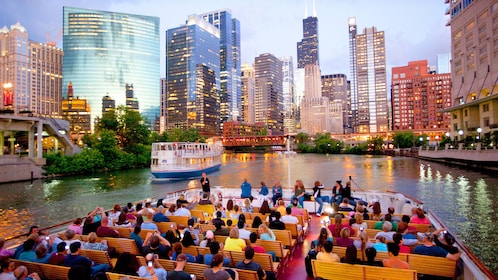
x,y
437,140
460,133
479,130
421,139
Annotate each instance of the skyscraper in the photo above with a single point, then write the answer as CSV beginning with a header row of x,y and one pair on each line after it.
x,y
191,97
307,48
77,112
288,94
248,92
230,80
131,101
268,95
335,87
33,72
104,51
369,64
352,72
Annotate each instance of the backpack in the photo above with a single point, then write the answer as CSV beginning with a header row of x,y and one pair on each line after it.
x,y
307,262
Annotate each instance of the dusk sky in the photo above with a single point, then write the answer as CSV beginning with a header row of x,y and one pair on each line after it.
x,y
414,30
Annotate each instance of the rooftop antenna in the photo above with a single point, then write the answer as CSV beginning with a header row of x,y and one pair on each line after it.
x,y
305,8
314,10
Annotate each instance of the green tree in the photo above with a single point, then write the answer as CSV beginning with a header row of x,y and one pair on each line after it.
x,y
403,139
302,137
375,144
131,129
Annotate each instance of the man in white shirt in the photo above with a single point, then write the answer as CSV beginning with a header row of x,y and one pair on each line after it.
x,y
182,211
243,232
289,219
386,231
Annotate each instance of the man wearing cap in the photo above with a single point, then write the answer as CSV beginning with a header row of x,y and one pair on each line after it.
x,y
430,249
178,273
152,268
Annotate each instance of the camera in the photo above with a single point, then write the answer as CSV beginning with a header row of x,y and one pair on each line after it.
x,y
67,247
362,229
47,238
192,276
150,263
445,232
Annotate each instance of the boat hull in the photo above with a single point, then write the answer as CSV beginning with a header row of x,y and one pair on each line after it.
x,y
184,174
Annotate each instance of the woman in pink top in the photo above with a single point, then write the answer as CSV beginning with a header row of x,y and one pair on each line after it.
x,y
76,226
420,217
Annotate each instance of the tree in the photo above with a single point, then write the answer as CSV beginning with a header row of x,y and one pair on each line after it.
x,y
375,144
403,139
302,137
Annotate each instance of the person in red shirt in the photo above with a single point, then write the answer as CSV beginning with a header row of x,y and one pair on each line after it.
x,y
257,248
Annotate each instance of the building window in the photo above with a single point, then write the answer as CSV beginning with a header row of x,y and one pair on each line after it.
x,y
485,107
465,112
486,122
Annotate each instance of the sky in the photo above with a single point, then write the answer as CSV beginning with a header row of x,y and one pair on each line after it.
x,y
414,30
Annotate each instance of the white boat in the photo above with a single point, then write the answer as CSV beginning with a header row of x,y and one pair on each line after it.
x,y
181,160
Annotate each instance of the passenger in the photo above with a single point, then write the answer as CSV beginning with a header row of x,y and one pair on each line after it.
x,y
221,230
235,213
28,252
387,218
295,208
246,189
77,226
71,237
420,217
371,253
135,235
337,192
171,210
220,210
386,232
249,264
217,219
317,194
265,233
275,222
247,208
234,242
126,264
205,200
243,232
187,239
394,261
276,192
360,208
380,245
351,256
8,268
362,243
281,207
42,254
92,243
178,251
214,249
217,272
159,217
5,253
408,238
182,211
57,257
104,230
376,211
156,244
264,190
181,200
209,237
394,218
398,239
290,218
406,219
344,240
75,259
123,221
256,222
429,249
446,241
337,226
153,269
326,253
299,192
359,223
265,208
93,220
114,214
21,273
230,208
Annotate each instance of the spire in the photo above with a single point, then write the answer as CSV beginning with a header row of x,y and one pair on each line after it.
x,y
305,8
314,10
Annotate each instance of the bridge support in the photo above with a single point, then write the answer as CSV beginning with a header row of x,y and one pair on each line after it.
x,y
1,142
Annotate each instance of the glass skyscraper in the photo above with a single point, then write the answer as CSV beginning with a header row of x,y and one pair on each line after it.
x,y
307,49
191,93
105,51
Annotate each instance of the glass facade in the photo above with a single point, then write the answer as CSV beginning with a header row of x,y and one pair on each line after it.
x,y
105,51
307,49
191,94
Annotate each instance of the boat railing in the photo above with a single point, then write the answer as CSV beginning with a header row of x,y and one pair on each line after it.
x,y
472,265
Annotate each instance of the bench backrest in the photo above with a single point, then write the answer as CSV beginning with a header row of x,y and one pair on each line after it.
x,y
247,274
123,245
118,276
275,246
123,231
181,221
97,256
163,227
387,273
293,229
206,208
284,236
432,265
335,270
205,227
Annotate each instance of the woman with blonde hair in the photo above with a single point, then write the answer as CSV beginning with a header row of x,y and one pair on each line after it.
x,y
344,240
362,243
359,223
234,242
265,233
247,208
92,243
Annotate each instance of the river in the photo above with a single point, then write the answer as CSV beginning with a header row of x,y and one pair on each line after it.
x,y
465,200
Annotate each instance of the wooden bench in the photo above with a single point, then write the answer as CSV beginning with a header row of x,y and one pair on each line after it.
x,y
420,227
220,238
118,276
341,252
335,270
207,208
263,259
31,266
45,271
191,268
430,265
205,227
123,245
181,221
123,231
295,233
286,238
199,214
372,232
245,274
98,256
277,247
163,227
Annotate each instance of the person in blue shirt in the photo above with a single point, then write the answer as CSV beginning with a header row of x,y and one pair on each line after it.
x,y
277,192
246,189
214,248
264,189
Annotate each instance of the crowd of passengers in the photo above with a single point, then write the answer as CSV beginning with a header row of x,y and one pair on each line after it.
x,y
346,231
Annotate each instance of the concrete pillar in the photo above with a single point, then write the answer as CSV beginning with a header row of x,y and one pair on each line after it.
x,y
31,142
39,138
2,139
12,140
460,146
479,146
446,146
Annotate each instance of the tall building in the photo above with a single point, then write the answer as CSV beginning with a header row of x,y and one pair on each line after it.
x,y
288,95
77,112
131,101
353,93
418,97
248,92
32,71
104,51
335,87
474,69
369,103
443,63
307,48
108,104
268,94
230,65
192,87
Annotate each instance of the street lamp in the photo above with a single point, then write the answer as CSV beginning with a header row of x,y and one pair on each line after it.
x,y
479,130
460,133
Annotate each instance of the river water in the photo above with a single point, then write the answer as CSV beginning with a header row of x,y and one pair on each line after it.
x,y
465,200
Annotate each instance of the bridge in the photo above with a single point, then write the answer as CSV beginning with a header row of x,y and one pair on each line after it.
x,y
16,168
254,141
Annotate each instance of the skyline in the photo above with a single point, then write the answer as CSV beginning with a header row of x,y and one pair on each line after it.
x,y
272,29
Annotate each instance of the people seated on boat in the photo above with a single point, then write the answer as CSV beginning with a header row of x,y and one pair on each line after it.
x,y
387,218
42,254
346,191
156,244
420,217
181,199
178,251
275,222
370,254
205,184
317,194
126,264
219,208
380,244
360,208
323,236
326,253
299,192
296,209
391,210
344,240
265,233
386,232
205,199
264,189
446,241
337,192
398,239
408,238
221,229
188,239
93,220
337,226
135,235
172,235
215,248
243,232
57,257
21,273
229,209
345,206
182,211
249,264
75,259
217,218
234,242
5,253
217,272
406,219
281,207
256,222
265,208
246,189
235,212
123,221
290,218
77,226
152,269
105,231
114,214
159,217
171,210
8,268
277,192
253,237
362,242
376,210
208,239
394,261
351,255
148,207
247,207
430,249
93,244
358,222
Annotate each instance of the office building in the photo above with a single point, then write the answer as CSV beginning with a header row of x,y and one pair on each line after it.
x,y
418,97
368,80
191,98
443,63
307,48
268,94
30,74
108,104
77,112
230,65
335,87
131,101
474,70
288,95
248,92
105,51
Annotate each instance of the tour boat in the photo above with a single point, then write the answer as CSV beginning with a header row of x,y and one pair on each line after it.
x,y
181,160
